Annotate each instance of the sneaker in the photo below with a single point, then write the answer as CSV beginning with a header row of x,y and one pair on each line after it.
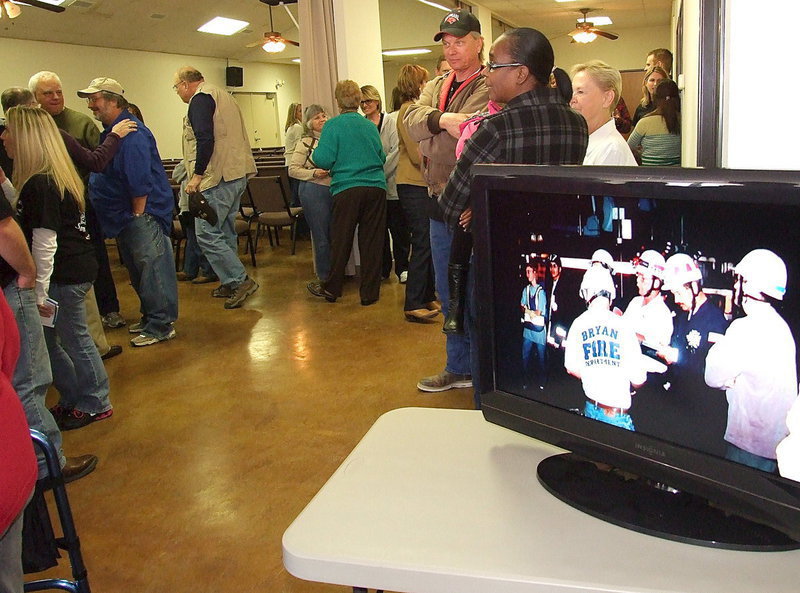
x,y
223,291
77,419
200,279
444,381
317,290
113,320
148,340
184,277
59,411
403,277
240,293
136,328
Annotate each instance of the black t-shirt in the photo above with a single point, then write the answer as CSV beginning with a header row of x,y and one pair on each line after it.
x,y
7,273
40,207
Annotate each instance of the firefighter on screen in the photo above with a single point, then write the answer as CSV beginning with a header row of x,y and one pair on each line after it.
x,y
755,363
603,352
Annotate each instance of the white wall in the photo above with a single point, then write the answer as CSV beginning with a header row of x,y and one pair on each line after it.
x,y
756,49
358,42
147,78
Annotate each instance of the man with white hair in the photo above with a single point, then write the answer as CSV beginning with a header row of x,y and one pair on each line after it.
x,y
46,89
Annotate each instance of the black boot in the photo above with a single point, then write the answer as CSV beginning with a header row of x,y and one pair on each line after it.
x,y
457,281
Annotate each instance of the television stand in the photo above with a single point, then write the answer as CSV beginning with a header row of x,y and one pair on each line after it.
x,y
641,505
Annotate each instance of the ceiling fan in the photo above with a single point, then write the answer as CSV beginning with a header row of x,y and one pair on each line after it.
x,y
12,10
273,42
586,32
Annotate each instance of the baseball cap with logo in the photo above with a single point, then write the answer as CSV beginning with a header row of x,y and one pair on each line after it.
x,y
102,84
459,23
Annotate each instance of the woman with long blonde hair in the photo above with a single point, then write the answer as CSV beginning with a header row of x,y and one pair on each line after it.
x,y
652,77
50,209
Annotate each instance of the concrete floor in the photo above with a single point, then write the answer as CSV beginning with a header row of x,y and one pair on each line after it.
x,y
220,437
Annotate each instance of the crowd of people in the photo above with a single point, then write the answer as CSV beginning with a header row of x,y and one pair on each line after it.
x,y
395,184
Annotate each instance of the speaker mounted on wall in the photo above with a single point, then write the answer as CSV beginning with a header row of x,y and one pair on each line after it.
x,y
234,76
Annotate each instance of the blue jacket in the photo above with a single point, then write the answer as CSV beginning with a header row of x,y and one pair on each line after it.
x,y
135,170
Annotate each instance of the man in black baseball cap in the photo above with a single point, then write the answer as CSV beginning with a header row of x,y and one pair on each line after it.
x,y
458,23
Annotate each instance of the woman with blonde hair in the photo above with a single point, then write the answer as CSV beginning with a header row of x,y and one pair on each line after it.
x,y
658,135
596,88
50,208
350,148
652,77
294,131
397,249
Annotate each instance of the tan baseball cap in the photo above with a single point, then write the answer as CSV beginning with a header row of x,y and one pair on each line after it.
x,y
102,84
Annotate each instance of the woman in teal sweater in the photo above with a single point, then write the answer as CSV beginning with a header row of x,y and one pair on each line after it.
x,y
350,148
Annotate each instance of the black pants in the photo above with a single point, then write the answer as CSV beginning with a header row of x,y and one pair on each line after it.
x,y
364,207
104,289
398,250
420,287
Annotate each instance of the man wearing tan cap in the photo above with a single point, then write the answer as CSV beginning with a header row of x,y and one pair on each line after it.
x,y
134,203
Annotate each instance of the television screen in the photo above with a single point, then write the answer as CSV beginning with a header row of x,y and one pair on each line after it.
x,y
646,319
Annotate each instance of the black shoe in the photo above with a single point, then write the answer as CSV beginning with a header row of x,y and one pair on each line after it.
x,y
368,302
317,290
77,419
112,352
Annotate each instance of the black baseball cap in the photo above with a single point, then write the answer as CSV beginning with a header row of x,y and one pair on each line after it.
x,y
459,23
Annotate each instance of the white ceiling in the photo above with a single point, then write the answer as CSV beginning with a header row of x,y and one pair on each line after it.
x,y
170,25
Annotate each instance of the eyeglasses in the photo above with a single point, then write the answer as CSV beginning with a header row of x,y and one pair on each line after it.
x,y
492,66
177,84
367,101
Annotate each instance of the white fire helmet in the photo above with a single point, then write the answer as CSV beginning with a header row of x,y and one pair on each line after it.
x,y
597,281
681,269
650,263
762,272
602,257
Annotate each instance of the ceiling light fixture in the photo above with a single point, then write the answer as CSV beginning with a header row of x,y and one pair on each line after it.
x,y
273,46
435,5
406,52
220,25
10,9
584,37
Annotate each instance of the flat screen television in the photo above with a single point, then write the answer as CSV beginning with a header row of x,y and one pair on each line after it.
x,y
669,472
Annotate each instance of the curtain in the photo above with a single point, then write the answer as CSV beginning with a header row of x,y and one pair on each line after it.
x,y
318,69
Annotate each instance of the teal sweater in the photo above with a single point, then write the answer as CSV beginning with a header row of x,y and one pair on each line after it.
x,y
350,148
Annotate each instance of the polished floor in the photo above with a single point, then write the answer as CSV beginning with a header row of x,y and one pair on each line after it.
x,y
220,437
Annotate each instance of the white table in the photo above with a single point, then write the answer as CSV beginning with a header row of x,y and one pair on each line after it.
x,y
441,501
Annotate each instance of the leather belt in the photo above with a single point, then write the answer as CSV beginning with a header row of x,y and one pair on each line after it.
x,y
609,410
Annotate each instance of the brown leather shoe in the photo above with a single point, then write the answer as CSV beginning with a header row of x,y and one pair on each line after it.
x,y
77,467
434,306
421,315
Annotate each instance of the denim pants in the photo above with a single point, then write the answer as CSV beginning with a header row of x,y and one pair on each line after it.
x,y
194,262
317,205
147,253
219,242
78,371
420,288
592,411
32,376
457,345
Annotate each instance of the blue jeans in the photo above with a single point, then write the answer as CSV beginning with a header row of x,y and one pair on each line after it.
x,y
147,253
78,372
219,242
739,455
457,345
194,262
317,205
419,288
592,411
32,377
533,362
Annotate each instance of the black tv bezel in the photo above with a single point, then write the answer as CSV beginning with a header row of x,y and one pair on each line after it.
x,y
768,499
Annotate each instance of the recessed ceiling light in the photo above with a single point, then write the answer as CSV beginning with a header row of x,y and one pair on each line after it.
x,y
296,60
406,52
223,26
597,21
565,0
435,5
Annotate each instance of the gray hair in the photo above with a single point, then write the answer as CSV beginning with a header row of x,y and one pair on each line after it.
x,y
310,113
33,83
